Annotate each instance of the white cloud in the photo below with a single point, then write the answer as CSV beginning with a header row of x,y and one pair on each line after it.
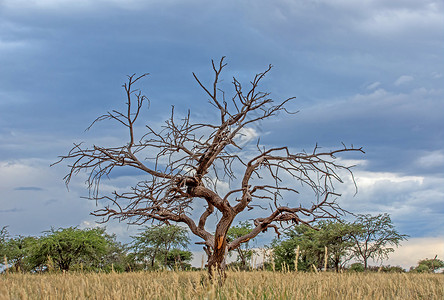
x,y
373,85
45,4
431,159
246,135
436,75
385,18
48,203
70,6
88,224
379,108
367,180
23,173
403,79
12,45
415,249
369,18
404,197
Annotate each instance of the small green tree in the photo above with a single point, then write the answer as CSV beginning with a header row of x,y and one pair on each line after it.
x,y
16,250
243,251
154,243
69,246
311,249
428,265
284,251
375,238
335,235
179,259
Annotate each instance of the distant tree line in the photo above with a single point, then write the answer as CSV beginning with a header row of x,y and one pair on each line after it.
x,y
327,245
93,249
331,244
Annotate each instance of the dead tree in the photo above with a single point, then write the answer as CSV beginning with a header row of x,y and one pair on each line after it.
x,y
189,159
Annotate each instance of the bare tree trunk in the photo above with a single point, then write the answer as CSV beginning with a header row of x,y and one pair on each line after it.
x,y
216,261
217,266
337,265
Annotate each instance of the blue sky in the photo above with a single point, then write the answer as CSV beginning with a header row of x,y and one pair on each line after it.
x,y
367,73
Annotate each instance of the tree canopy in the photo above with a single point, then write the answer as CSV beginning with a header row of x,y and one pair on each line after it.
x,y
67,246
162,244
16,251
63,249
244,252
428,265
335,235
376,237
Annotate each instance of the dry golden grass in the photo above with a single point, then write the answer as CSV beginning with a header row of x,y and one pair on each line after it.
x,y
239,285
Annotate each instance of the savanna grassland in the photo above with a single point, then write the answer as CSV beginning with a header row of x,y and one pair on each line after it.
x,y
239,285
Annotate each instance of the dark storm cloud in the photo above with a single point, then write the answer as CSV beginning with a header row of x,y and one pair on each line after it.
x,y
28,188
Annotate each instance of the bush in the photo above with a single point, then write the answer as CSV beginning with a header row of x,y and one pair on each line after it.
x,y
392,269
356,267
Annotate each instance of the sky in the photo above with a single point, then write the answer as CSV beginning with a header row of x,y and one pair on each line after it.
x,y
367,73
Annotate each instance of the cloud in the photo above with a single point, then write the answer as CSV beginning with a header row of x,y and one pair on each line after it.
x,y
371,179
28,188
12,210
404,197
46,4
37,183
389,20
246,135
88,224
8,46
65,61
391,126
416,249
50,201
403,80
79,6
27,174
373,85
434,159
436,75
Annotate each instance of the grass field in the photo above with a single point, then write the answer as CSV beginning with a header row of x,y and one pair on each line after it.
x,y
239,285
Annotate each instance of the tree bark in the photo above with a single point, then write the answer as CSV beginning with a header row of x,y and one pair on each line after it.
x,y
217,265
216,259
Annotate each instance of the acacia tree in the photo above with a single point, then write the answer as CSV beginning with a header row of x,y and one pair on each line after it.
x,y
428,265
187,159
156,242
66,246
15,251
244,252
335,235
374,237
